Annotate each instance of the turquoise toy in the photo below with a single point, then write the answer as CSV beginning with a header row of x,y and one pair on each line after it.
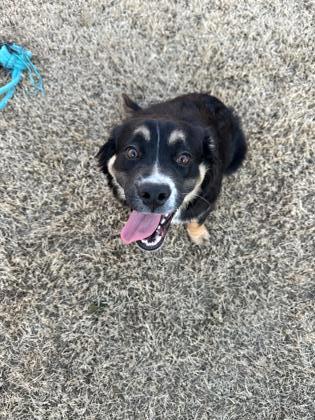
x,y
17,60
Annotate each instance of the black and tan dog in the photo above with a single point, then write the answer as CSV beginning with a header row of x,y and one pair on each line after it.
x,y
166,163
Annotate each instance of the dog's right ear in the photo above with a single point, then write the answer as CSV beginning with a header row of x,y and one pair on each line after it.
x,y
108,150
129,105
105,153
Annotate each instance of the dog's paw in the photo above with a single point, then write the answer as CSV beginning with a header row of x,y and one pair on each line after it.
x,y
198,233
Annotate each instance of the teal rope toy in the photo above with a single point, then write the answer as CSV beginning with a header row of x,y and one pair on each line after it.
x,y
17,60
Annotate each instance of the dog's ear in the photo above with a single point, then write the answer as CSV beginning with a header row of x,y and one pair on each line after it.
x,y
129,105
209,146
213,179
108,149
105,153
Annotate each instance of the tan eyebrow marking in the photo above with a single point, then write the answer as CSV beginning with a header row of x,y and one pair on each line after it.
x,y
144,131
176,135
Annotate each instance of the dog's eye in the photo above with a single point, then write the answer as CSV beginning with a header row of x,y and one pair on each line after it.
x,y
183,159
132,153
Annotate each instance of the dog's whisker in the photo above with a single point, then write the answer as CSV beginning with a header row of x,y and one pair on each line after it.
x,y
202,198
199,196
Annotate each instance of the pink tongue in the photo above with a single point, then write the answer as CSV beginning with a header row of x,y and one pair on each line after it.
x,y
139,226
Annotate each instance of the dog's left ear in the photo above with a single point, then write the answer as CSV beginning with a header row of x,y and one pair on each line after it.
x,y
129,105
209,146
213,177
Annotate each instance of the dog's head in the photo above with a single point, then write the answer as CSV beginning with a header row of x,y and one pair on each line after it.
x,y
154,163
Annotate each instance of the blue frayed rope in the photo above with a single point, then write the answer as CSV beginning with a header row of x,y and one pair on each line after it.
x,y
16,60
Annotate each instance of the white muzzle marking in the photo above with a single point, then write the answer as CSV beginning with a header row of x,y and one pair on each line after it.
x,y
159,178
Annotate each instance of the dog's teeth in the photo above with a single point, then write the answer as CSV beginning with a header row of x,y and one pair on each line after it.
x,y
152,242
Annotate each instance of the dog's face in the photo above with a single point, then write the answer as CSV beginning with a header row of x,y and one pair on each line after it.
x,y
156,164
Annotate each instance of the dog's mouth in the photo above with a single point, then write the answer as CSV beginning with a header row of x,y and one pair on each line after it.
x,y
148,230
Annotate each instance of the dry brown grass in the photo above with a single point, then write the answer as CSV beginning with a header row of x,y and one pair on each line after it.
x,y
91,329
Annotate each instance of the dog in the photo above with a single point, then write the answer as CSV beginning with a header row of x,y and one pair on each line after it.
x,y
166,163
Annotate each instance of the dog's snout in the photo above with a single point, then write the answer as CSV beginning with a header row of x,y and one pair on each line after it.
x,y
154,195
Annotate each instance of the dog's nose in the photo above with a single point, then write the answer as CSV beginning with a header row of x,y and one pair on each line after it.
x,y
154,195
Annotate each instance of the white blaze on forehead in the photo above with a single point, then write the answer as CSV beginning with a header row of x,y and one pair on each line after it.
x,y
158,143
157,177
176,135
143,131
